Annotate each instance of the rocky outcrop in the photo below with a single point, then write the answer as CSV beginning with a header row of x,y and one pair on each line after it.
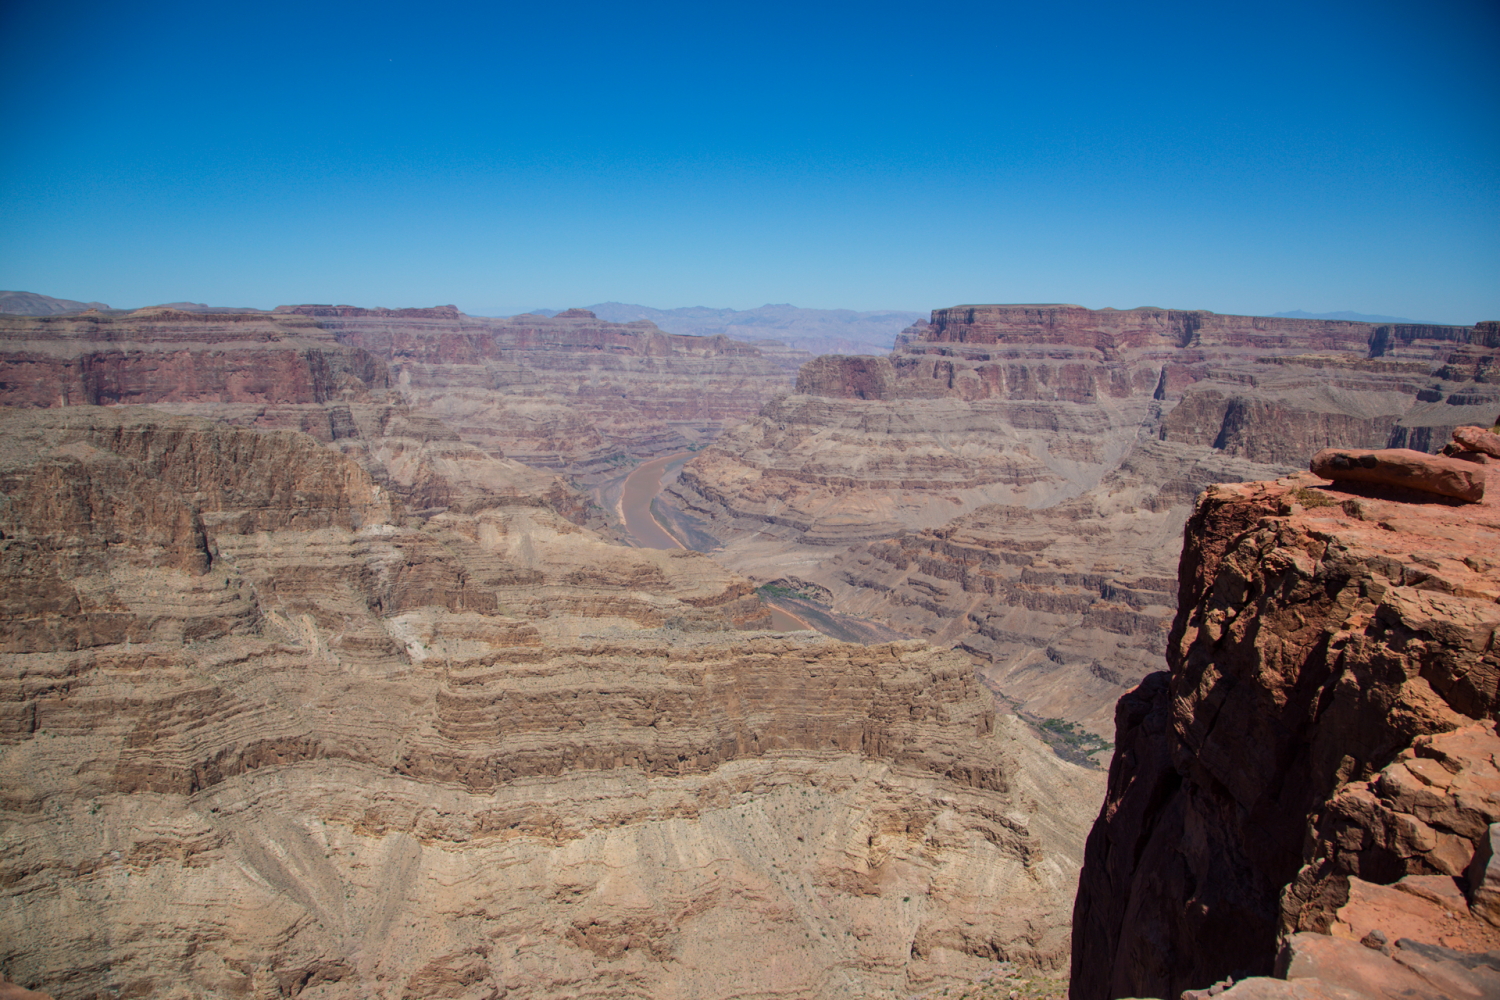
x,y
1012,479
1327,722
1477,440
1402,467
269,729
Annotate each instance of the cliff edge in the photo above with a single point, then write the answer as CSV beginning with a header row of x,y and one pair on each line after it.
x,y
1324,734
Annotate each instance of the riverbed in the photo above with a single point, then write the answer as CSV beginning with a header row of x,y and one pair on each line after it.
x,y
640,488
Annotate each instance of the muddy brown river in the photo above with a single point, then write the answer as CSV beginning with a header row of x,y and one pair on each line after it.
x,y
640,488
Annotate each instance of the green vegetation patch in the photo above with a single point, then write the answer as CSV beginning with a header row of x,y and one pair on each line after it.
x,y
1313,498
1070,740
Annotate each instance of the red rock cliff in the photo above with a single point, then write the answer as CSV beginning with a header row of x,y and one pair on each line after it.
x,y
169,356
1325,638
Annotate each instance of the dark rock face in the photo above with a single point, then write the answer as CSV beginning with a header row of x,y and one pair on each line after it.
x,y
1326,637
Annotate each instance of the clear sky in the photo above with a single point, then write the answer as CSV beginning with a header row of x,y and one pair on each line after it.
x,y
1239,157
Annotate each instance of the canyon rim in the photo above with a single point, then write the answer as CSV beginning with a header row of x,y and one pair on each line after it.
x,y
326,673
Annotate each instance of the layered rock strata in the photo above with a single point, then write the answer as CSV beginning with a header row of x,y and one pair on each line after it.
x,y
268,730
162,355
1326,725
1013,479
568,392
268,371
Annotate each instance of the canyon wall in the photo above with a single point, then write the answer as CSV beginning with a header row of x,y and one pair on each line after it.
x,y
270,728
278,371
1325,728
166,356
569,392
1013,480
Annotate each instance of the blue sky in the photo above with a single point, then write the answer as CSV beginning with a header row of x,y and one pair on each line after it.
x,y
1235,157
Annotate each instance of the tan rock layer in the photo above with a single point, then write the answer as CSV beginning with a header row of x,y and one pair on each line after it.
x,y
265,732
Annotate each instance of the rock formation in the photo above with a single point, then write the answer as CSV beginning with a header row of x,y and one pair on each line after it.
x,y
569,392
1013,479
160,355
1403,467
1326,729
274,725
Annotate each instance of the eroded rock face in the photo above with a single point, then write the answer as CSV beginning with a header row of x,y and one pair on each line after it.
x,y
569,392
1328,715
164,355
1014,479
268,730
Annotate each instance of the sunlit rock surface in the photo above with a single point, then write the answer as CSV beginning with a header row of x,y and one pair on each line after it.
x,y
268,729
1013,480
1318,760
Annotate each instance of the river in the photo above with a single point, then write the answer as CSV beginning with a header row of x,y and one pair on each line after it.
x,y
643,486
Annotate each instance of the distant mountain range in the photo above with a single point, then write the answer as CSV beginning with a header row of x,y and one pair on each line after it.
x,y
32,304
1353,317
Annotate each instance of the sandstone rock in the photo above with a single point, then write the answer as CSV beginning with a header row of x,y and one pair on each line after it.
x,y
10,991
265,730
1265,988
1331,660
1484,875
1401,467
1478,439
1377,916
1440,889
1347,964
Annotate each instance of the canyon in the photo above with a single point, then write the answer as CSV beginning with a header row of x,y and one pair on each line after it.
x,y
306,695
1013,480
325,673
568,392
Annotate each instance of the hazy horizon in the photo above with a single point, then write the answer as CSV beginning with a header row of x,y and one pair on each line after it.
x,y
500,312
1327,157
